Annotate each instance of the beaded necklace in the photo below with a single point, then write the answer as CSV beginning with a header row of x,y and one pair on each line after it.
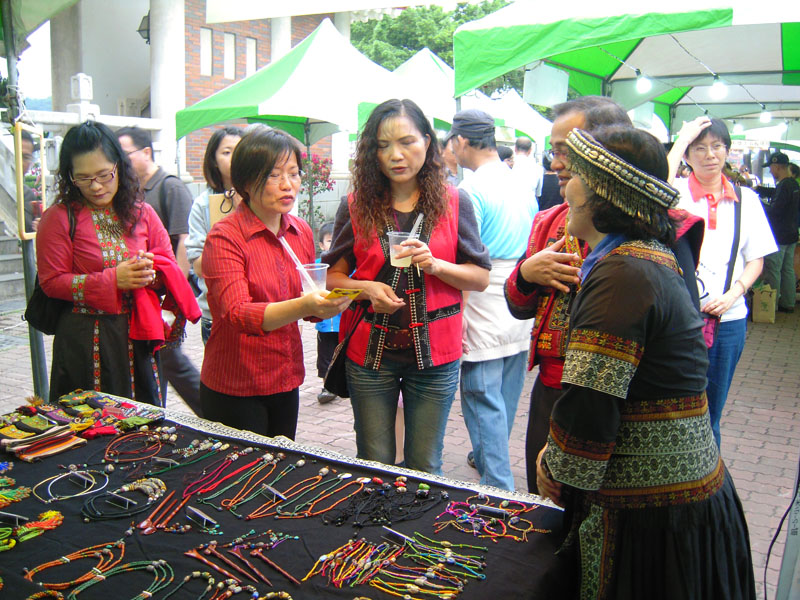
x,y
151,487
307,508
8,495
86,476
163,576
248,489
105,553
485,520
210,581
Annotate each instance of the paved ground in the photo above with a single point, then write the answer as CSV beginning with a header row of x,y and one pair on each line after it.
x,y
760,426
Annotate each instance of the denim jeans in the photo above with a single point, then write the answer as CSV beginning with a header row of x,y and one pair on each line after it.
x,y
205,329
722,359
490,391
427,397
779,273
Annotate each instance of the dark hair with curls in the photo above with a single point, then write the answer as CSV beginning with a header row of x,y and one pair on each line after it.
x,y
372,203
88,137
210,167
646,153
255,157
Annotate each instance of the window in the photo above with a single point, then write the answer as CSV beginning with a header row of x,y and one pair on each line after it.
x,y
250,57
229,57
205,51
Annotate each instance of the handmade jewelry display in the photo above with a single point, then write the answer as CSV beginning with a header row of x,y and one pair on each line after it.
x,y
165,478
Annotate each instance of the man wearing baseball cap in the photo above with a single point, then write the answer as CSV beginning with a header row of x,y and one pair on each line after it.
x,y
781,204
496,344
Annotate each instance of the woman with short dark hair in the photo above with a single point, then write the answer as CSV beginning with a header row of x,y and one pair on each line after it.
x,y
651,509
704,145
100,247
410,339
217,171
253,364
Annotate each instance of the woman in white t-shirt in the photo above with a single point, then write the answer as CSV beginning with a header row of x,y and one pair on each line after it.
x,y
704,145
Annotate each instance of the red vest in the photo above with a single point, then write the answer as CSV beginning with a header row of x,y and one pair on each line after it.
x,y
435,305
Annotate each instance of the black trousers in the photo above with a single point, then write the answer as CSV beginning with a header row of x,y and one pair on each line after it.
x,y
271,415
178,370
542,400
326,344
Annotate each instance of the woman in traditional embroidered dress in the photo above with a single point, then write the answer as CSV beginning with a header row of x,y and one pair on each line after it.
x,y
652,511
410,338
253,364
99,269
704,144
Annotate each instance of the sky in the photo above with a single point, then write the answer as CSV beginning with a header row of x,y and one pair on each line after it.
x,y
34,65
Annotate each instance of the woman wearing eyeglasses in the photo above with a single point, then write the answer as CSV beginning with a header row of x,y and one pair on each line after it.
x,y
102,248
253,364
704,145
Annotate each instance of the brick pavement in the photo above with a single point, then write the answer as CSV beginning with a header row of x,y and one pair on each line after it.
x,y
760,425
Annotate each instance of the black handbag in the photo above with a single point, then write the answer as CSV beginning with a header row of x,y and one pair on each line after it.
x,y
43,312
336,377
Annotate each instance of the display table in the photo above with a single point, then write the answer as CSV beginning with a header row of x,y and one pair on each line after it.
x,y
513,568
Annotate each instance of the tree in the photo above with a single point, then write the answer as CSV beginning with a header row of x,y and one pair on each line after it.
x,y
391,41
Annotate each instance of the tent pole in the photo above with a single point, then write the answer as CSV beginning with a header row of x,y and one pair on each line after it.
x,y
35,338
309,180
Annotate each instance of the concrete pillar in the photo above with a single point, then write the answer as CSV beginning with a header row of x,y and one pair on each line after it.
x,y
280,37
167,77
66,53
342,22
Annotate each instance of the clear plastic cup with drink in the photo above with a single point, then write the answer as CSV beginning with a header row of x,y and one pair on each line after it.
x,y
317,273
396,238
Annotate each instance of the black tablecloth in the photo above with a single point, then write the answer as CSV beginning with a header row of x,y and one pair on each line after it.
x,y
514,569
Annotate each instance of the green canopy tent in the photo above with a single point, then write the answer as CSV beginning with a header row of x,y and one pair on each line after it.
x,y
25,17
680,48
310,92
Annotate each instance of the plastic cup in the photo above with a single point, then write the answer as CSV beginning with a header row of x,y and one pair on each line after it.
x,y
396,238
318,273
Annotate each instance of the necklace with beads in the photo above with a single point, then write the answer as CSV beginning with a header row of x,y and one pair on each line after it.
x,y
162,572
9,495
249,488
87,478
104,553
151,487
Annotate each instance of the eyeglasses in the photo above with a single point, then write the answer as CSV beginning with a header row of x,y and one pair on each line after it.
x,y
556,154
85,182
277,178
715,148
134,151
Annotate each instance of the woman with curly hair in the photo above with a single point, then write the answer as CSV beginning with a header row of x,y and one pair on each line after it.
x,y
409,340
102,248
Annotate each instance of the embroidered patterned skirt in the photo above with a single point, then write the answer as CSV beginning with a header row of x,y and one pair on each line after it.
x,y
93,352
695,551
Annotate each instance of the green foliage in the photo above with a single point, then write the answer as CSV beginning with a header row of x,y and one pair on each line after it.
x,y
391,41
317,174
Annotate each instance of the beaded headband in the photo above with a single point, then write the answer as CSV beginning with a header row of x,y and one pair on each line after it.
x,y
629,189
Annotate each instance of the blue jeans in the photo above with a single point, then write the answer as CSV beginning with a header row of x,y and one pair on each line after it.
x,y
779,273
427,397
722,359
490,391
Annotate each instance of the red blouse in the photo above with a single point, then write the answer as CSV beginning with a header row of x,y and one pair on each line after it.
x,y
245,268
82,270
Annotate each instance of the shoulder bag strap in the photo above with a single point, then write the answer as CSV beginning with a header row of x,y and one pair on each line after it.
x,y
737,226
72,222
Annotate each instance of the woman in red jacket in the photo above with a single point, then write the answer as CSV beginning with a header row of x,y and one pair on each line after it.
x,y
410,338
